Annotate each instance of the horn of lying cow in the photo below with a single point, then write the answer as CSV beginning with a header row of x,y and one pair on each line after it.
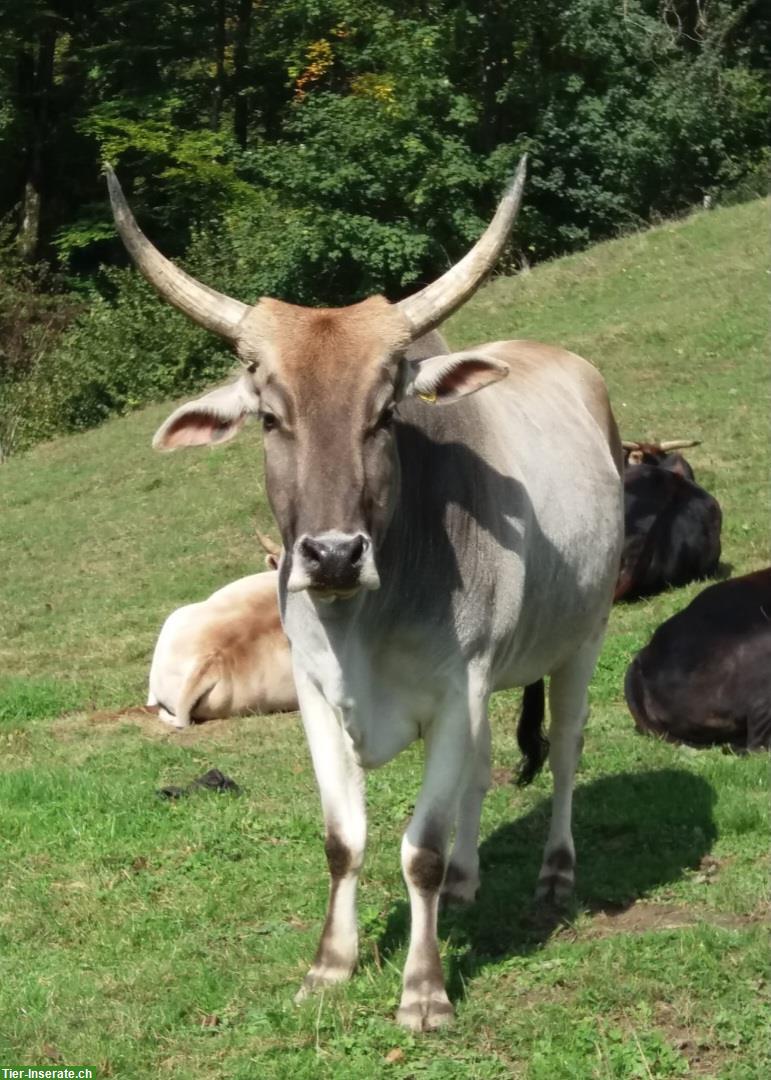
x,y
213,310
428,308
679,444
630,445
269,546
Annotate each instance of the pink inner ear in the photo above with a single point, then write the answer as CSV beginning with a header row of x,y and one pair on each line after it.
x,y
198,429
465,377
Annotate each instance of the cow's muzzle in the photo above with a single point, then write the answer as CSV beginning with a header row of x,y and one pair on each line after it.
x,y
333,565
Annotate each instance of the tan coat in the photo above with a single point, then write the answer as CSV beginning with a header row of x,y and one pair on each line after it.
x,y
223,657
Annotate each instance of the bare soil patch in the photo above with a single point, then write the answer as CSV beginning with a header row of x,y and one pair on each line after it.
x,y
699,1048
642,917
145,717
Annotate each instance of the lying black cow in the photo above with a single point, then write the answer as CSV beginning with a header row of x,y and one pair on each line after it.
x,y
705,677
672,526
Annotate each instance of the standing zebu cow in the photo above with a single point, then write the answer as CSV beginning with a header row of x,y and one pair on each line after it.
x,y
431,556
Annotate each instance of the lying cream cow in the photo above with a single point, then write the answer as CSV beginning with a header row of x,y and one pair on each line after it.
x,y
225,656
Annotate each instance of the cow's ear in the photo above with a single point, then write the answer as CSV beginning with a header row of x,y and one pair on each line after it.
x,y
211,419
441,379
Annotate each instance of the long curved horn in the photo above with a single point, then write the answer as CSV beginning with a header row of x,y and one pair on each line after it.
x,y
270,547
432,305
210,309
679,444
630,445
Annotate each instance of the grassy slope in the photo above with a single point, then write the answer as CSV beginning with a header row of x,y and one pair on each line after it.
x,y
124,920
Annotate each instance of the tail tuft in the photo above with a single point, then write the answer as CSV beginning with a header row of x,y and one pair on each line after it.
x,y
532,741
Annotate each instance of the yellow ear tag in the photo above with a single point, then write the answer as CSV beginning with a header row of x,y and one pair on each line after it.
x,y
430,399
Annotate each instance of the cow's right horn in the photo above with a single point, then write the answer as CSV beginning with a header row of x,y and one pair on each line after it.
x,y
213,310
426,309
679,444
269,546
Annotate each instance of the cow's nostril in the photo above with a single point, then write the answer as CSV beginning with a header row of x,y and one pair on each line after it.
x,y
312,550
357,548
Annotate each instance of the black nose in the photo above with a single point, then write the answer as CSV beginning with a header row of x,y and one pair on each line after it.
x,y
333,562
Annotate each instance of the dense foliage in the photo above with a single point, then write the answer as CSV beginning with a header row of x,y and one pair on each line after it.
x,y
320,150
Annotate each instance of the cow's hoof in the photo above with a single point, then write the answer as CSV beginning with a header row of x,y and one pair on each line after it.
x,y
458,887
557,878
553,891
322,978
172,721
425,1014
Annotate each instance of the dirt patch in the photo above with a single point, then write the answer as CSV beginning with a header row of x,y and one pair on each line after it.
x,y
697,1047
709,868
106,721
501,776
145,718
642,918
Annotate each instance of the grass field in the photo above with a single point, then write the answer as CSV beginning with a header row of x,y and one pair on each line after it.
x,y
149,938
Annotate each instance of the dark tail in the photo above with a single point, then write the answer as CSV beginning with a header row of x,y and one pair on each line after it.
x,y
532,741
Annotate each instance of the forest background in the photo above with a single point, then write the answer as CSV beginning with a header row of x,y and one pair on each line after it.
x,y
323,150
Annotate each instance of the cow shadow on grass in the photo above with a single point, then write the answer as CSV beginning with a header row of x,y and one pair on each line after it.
x,y
634,832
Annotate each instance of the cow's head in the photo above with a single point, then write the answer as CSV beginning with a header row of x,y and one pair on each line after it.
x,y
661,455
325,382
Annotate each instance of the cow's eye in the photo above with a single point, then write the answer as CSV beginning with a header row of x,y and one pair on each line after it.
x,y
269,421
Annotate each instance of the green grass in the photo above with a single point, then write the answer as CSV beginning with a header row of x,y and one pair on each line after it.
x,y
125,920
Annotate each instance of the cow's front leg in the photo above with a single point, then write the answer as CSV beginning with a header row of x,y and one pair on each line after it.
x,y
424,1004
341,785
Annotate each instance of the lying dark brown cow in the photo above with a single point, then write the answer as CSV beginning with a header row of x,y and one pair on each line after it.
x,y
705,677
671,525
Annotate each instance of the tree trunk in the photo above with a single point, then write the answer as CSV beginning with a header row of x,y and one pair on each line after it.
x,y
29,225
218,94
35,74
240,79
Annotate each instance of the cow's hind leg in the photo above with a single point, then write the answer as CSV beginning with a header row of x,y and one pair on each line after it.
x,y
569,707
341,785
461,881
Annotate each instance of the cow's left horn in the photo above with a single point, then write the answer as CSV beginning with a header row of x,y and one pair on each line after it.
x,y
678,444
213,310
432,305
